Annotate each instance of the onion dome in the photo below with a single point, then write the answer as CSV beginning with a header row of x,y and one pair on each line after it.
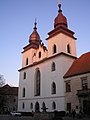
x,y
60,20
34,36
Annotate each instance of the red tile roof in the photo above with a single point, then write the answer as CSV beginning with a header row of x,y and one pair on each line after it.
x,y
80,66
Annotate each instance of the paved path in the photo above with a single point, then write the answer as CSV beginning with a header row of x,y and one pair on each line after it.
x,y
70,118
8,117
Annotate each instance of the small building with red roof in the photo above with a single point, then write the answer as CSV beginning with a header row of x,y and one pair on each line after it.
x,y
77,84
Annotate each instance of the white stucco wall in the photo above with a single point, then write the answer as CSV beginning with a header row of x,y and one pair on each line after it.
x,y
28,54
61,41
62,63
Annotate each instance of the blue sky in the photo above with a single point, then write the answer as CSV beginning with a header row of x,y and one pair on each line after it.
x,y
17,21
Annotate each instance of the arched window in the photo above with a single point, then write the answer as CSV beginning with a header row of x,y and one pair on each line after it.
x,y
53,105
53,66
54,49
26,61
31,106
43,105
23,92
68,49
24,75
23,105
37,82
39,55
37,107
53,88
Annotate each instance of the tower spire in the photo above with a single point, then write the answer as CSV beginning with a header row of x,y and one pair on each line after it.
x,y
34,37
60,20
59,6
35,23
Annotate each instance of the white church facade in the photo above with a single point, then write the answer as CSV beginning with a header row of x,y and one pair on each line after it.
x,y
41,82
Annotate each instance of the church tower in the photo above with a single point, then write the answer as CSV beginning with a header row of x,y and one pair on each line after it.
x,y
41,83
61,37
30,54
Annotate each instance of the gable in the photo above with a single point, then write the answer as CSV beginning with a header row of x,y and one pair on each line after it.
x,y
80,66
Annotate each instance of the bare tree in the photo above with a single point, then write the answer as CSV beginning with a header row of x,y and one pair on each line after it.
x,y
2,80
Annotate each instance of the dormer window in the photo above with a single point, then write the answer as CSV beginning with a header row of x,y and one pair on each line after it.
x,y
54,49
